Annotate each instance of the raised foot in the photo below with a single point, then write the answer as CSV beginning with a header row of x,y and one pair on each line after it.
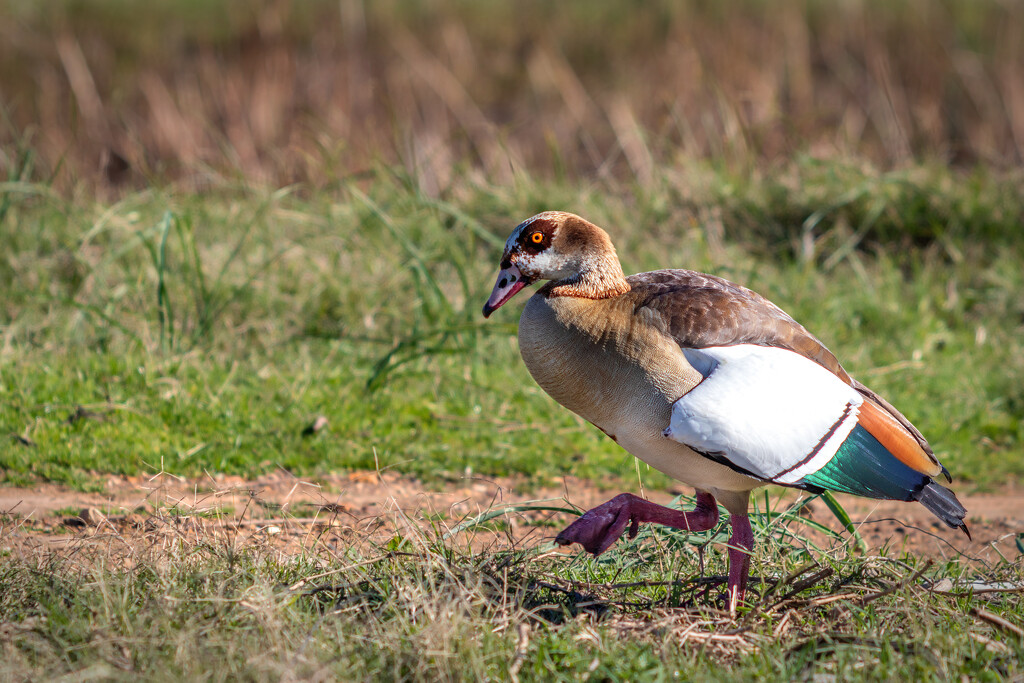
x,y
597,529
600,527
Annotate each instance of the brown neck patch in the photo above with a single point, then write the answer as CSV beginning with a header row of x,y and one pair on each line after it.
x,y
601,279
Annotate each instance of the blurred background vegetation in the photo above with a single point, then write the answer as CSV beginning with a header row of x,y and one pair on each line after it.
x,y
220,220
279,91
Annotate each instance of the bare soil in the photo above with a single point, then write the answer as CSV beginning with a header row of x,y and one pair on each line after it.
x,y
368,504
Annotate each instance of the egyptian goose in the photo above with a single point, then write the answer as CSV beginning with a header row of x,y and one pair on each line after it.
x,y
706,381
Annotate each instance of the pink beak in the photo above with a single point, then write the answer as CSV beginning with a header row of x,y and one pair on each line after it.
x,y
510,281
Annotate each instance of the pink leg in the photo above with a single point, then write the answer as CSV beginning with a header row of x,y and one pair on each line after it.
x,y
599,528
741,543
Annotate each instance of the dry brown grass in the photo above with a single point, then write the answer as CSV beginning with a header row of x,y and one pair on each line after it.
x,y
317,90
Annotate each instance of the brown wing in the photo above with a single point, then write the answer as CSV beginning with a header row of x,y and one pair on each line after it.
x,y
703,310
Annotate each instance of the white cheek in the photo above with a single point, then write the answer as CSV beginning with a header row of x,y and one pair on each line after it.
x,y
544,265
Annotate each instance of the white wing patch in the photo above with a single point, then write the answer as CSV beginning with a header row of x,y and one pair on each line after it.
x,y
770,411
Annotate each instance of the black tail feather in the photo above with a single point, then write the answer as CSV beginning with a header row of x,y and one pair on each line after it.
x,y
942,503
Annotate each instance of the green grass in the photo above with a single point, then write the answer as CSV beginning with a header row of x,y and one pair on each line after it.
x,y
177,606
190,333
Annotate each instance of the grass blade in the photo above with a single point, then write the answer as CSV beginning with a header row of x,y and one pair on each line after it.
x,y
164,312
844,519
488,515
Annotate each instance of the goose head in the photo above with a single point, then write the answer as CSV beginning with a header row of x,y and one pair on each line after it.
x,y
576,255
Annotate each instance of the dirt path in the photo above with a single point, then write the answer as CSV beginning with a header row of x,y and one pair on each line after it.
x,y
49,514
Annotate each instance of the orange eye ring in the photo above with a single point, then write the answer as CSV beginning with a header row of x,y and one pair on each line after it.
x,y
537,237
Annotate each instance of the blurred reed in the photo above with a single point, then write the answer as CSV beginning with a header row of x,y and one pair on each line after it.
x,y
113,92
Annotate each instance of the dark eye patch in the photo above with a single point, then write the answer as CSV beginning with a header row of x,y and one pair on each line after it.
x,y
529,242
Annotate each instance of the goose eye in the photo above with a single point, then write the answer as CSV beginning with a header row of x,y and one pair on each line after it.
x,y
537,237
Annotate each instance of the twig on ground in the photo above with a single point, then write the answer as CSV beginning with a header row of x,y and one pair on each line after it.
x,y
997,621
522,644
